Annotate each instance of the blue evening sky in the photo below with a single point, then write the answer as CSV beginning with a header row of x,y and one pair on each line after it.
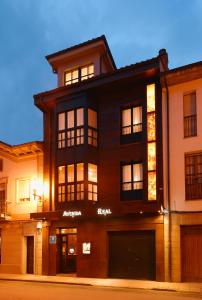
x,y
31,29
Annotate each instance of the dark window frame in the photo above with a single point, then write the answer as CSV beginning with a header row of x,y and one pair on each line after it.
x,y
133,136
133,194
79,78
79,187
72,134
193,178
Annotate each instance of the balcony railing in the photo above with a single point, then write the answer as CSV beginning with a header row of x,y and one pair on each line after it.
x,y
190,126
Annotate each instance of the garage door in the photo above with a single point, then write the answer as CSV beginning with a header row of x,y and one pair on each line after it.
x,y
191,253
132,255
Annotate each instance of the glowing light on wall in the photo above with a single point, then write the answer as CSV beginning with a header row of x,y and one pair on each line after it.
x,y
151,142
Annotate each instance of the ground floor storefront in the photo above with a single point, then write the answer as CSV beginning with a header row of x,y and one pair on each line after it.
x,y
186,247
130,247
21,247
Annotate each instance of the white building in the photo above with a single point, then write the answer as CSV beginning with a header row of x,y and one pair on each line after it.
x,y
21,181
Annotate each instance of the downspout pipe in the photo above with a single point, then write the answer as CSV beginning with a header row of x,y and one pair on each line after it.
x,y
163,57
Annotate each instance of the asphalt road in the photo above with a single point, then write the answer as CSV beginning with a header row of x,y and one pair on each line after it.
x,y
15,290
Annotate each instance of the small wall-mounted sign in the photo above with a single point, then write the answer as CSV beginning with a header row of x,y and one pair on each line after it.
x,y
52,239
72,214
104,211
86,248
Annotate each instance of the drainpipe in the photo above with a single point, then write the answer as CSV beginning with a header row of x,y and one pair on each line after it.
x,y
163,68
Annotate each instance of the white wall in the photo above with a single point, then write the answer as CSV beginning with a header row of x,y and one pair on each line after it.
x,y
180,145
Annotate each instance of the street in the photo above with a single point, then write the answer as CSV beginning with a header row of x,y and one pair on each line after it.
x,y
15,290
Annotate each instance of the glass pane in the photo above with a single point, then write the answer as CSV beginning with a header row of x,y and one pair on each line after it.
x,y
152,186
80,172
91,69
126,173
137,172
150,97
137,115
84,71
151,127
126,117
61,174
75,74
70,119
24,189
68,76
61,121
151,148
92,173
70,173
92,118
80,117
189,102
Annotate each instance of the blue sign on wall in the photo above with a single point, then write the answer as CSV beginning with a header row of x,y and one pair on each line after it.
x,y
52,239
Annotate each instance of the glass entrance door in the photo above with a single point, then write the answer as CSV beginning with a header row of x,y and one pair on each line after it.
x,y
67,250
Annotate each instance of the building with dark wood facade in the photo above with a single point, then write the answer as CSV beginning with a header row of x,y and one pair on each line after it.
x,y
103,167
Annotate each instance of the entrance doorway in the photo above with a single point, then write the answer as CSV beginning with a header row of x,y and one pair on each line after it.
x,y
30,255
132,255
67,250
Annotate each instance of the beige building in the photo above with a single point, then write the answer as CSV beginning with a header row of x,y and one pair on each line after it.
x,y
182,136
21,189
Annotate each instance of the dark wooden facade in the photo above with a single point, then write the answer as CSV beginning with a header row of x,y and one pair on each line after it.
x,y
108,95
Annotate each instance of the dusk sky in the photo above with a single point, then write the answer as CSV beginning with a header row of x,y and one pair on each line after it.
x,y
135,31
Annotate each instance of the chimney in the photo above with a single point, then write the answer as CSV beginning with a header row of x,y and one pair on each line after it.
x,y
163,60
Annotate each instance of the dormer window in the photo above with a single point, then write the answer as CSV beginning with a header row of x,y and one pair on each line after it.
x,y
78,74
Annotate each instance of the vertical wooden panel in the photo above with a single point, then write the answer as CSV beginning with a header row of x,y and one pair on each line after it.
x,y
191,247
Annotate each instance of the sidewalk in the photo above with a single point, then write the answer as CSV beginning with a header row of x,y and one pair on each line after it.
x,y
115,283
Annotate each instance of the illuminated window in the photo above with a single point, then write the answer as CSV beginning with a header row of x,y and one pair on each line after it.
x,y
71,128
151,142
92,182
23,190
79,74
151,103
190,116
132,177
193,176
92,127
71,187
71,76
131,120
87,72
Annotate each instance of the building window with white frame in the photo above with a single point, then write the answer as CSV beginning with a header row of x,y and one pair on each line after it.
x,y
23,189
190,114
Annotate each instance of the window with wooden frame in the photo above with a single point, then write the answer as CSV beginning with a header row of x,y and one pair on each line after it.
x,y
131,120
71,180
190,114
3,190
132,181
193,176
78,74
71,128
92,127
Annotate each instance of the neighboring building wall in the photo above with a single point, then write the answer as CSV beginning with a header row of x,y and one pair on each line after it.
x,y
184,214
16,225
180,145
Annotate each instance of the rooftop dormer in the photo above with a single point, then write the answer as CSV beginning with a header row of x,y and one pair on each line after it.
x,y
82,61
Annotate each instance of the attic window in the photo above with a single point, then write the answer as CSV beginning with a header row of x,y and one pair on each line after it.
x,y
79,74
1,164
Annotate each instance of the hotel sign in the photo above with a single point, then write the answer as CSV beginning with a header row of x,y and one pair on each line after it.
x,y
72,214
104,211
